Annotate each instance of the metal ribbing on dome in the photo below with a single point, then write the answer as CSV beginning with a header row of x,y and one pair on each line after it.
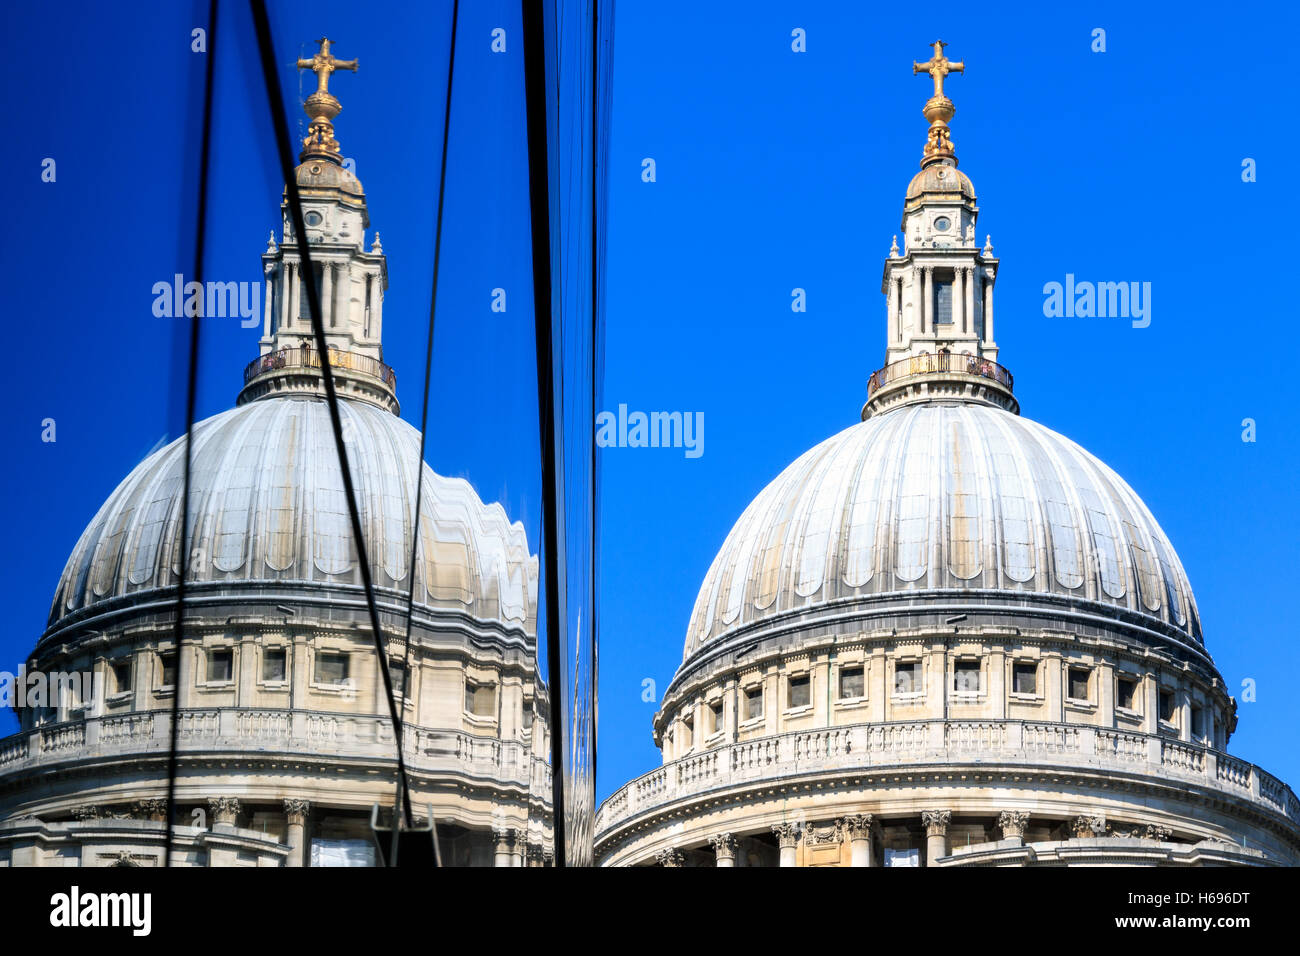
x,y
943,497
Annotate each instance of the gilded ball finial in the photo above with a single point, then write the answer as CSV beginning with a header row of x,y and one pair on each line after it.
x,y
322,106
938,108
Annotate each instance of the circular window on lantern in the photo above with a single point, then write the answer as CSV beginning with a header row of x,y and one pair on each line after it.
x,y
313,219
941,224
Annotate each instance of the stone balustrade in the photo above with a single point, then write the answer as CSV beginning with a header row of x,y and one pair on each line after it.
x,y
939,742
245,730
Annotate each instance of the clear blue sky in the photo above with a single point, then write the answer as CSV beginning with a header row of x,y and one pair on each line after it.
x,y
775,170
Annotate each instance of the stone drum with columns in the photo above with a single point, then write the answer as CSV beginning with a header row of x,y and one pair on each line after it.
x,y
947,635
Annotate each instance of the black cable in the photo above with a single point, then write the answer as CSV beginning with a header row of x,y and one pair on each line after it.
x,y
280,124
191,392
428,352
538,185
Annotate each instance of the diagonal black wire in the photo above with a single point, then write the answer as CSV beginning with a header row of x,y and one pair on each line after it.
x,y
191,391
538,186
280,124
428,353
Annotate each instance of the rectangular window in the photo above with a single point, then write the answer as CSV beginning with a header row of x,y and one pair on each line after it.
x,y
753,702
121,673
480,699
907,677
852,683
715,717
273,664
800,691
1167,707
1024,678
220,665
966,677
1126,693
168,667
942,303
331,668
1198,723
688,732
397,674
1079,683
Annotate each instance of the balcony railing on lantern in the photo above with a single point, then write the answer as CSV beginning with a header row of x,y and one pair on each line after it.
x,y
958,362
310,358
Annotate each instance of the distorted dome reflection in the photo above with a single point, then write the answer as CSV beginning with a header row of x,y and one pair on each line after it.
x,y
284,739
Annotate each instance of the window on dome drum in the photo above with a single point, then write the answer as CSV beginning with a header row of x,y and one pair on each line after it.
x,y
273,664
121,672
852,683
688,731
220,665
1024,678
1126,693
1167,707
168,669
480,699
1198,723
907,677
800,691
1079,683
753,702
966,677
715,717
397,674
331,668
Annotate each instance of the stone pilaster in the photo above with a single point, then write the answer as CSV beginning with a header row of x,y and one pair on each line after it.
x,y
671,857
1088,825
155,810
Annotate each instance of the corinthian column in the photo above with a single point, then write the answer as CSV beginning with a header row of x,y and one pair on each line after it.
x,y
295,812
927,307
266,306
968,284
958,299
891,324
327,295
787,838
669,858
284,294
858,828
501,856
1012,824
724,847
936,834
988,306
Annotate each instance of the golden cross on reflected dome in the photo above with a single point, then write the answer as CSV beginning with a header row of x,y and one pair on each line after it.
x,y
323,64
938,67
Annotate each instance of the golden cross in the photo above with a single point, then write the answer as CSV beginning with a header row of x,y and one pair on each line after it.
x,y
938,67
323,64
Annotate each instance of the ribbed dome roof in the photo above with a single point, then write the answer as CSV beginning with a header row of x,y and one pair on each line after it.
x,y
267,505
940,178
944,496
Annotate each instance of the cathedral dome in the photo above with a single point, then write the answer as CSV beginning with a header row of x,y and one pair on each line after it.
x,y
940,179
268,507
958,504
